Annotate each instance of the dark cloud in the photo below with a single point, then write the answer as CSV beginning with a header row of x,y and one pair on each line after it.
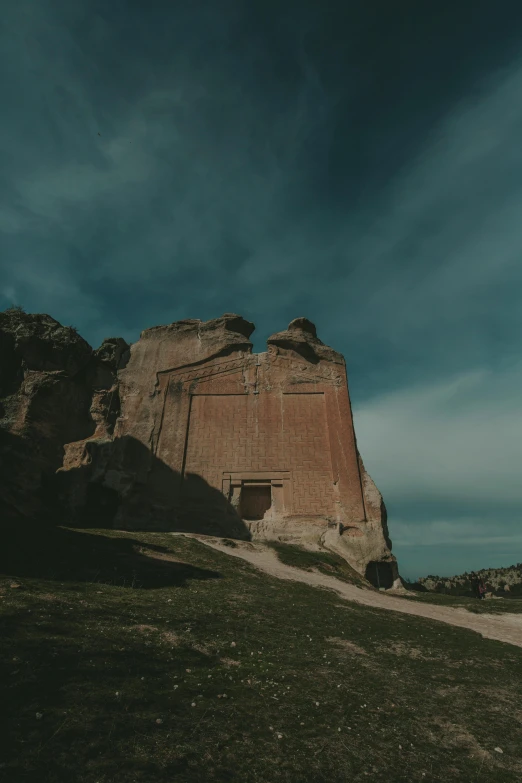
x,y
357,163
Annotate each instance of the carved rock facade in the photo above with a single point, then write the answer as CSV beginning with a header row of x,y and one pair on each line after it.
x,y
215,439
187,430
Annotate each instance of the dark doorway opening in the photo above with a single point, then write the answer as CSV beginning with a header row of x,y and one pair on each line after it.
x,y
379,574
255,501
101,505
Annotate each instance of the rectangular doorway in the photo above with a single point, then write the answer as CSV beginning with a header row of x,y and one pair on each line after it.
x,y
255,501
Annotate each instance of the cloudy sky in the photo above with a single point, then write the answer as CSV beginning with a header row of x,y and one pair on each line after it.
x,y
357,162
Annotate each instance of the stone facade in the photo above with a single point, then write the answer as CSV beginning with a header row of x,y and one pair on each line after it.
x,y
188,430
213,438
264,419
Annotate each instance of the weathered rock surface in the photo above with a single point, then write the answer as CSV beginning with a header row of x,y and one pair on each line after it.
x,y
301,338
187,429
368,547
37,342
119,475
49,382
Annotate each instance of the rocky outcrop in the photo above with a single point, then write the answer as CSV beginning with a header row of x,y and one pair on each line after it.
x,y
187,429
51,393
301,338
38,343
368,547
118,471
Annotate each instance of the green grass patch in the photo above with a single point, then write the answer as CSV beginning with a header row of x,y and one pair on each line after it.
x,y
138,657
325,562
484,606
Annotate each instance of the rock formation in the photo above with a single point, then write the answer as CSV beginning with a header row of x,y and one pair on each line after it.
x,y
54,389
189,430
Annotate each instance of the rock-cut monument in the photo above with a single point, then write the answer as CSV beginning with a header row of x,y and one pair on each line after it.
x,y
191,431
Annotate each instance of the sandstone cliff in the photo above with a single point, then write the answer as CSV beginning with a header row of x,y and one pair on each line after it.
x,y
187,429
54,389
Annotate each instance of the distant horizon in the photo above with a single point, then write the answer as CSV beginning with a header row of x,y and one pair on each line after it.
x,y
355,163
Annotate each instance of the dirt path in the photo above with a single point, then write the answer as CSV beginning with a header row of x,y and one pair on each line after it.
x,y
504,628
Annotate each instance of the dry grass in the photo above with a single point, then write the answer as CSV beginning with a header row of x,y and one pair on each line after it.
x,y
112,647
344,644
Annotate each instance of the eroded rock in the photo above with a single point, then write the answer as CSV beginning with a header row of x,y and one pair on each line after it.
x,y
49,397
187,429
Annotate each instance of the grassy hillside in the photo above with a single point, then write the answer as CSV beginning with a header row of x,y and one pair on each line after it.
x,y
325,562
149,657
513,605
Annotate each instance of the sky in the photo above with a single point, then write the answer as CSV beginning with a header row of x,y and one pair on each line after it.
x,y
358,163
